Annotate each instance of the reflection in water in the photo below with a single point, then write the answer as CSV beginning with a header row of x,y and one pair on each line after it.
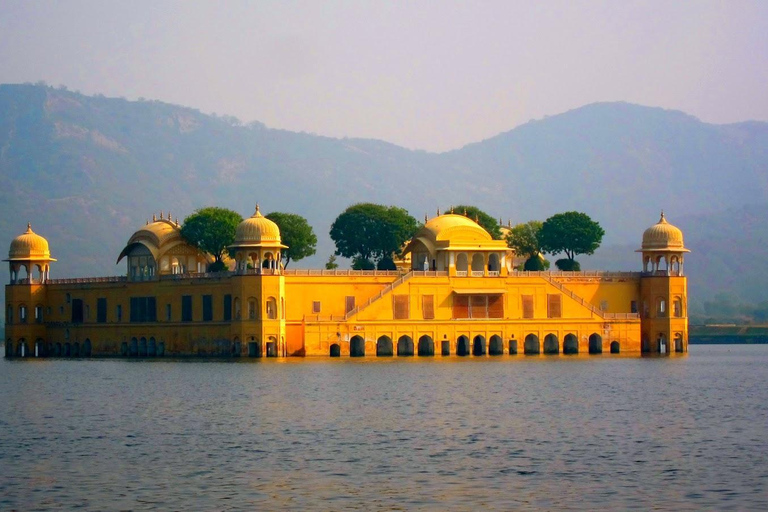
x,y
504,432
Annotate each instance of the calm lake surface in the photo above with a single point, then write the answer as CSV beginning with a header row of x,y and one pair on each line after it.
x,y
489,433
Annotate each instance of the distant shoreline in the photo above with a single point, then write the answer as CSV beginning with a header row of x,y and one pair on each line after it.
x,y
728,334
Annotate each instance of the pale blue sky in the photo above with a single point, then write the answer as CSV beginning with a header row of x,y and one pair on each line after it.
x,y
432,75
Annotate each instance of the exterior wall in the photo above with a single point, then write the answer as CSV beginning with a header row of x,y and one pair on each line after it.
x,y
666,323
297,329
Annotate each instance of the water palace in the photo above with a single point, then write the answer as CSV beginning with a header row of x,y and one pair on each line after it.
x,y
458,295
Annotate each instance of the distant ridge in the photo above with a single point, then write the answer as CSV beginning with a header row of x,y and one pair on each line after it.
x,y
88,170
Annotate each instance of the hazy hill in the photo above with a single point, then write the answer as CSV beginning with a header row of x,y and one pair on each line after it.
x,y
88,171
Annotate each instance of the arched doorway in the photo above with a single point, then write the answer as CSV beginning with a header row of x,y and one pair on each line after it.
x,y
445,348
76,349
271,347
531,345
356,346
335,350
254,347
462,346
87,348
551,344
512,347
570,344
405,346
384,346
645,344
595,343
23,350
39,348
57,350
152,347
478,346
495,345
615,347
678,342
143,347
161,349
236,347
133,349
661,344
426,346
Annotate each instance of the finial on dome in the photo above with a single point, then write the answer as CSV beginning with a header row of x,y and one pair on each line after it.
x,y
161,214
465,212
663,219
509,223
147,224
477,218
451,209
154,218
438,212
426,218
257,213
29,227
177,221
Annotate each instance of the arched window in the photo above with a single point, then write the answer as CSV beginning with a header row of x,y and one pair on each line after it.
x,y
493,263
478,262
661,307
23,314
677,307
9,315
39,314
461,262
252,308
237,308
271,308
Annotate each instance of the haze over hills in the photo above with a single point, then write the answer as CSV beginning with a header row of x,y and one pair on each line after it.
x,y
87,171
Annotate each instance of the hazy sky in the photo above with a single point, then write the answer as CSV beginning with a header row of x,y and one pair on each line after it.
x,y
432,75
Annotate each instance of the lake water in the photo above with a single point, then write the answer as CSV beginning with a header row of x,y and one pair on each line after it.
x,y
511,432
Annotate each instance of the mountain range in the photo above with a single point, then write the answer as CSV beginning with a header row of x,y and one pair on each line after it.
x,y
87,171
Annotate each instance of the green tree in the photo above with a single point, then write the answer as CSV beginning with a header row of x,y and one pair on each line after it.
x,y
211,230
331,263
488,223
572,233
525,239
369,233
296,233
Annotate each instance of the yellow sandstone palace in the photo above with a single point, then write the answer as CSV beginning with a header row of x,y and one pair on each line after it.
x,y
460,296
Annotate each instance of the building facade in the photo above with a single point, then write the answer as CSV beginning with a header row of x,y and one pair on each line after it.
x,y
460,296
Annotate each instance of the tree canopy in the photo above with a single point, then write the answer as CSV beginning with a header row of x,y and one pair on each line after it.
x,y
525,238
371,233
488,223
211,229
296,233
572,233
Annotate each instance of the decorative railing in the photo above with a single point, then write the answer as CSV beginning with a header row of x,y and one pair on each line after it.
x,y
461,273
88,280
493,273
379,295
586,273
430,273
478,273
338,272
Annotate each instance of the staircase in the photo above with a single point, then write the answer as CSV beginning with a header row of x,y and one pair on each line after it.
x,y
397,282
597,311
